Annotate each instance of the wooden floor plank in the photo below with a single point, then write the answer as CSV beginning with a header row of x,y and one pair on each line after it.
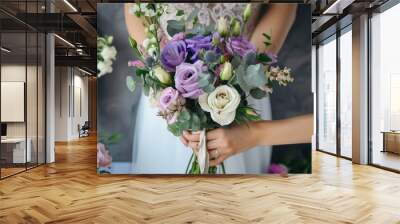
x,y
70,191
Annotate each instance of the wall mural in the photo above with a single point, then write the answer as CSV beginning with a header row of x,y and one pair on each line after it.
x,y
204,88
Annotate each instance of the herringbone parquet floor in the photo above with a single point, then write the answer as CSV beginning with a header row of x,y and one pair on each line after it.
x,y
70,191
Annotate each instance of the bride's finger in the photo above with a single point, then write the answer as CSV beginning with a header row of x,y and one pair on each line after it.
x,y
214,154
183,140
194,145
211,145
192,137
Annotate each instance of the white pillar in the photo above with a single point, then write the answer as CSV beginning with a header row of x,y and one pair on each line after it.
x,y
50,99
360,90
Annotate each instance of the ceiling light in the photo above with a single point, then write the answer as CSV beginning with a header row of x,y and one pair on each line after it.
x,y
65,41
70,5
5,50
84,71
338,6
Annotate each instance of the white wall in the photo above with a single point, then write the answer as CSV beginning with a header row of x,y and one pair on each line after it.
x,y
71,93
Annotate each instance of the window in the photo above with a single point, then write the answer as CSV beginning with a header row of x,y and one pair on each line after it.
x,y
327,96
346,93
385,88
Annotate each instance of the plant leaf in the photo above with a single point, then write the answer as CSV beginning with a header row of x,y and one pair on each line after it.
x,y
263,58
258,93
180,12
130,83
210,57
250,58
175,26
255,76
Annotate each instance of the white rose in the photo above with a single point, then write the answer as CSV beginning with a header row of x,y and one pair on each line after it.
x,y
104,67
108,53
221,103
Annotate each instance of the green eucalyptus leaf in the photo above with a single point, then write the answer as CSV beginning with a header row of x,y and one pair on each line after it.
x,y
184,116
208,88
196,125
175,129
250,58
258,93
236,61
130,83
175,26
210,57
240,74
255,76
204,79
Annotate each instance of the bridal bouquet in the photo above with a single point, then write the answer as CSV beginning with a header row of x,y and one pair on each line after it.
x,y
200,79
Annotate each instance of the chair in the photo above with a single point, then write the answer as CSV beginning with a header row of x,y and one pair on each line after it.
x,y
84,130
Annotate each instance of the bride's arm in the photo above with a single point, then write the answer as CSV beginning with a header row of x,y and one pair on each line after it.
x,y
134,25
277,23
239,138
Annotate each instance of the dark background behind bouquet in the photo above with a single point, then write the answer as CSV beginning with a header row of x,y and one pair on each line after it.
x,y
117,105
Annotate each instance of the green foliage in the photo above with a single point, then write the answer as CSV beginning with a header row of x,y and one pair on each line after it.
x,y
130,83
175,26
180,12
255,76
250,77
135,51
264,58
210,57
258,93
250,58
206,81
236,61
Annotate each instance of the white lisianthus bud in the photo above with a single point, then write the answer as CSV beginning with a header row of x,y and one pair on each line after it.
x,y
236,29
153,40
247,12
146,43
226,72
152,27
221,103
162,75
108,53
222,26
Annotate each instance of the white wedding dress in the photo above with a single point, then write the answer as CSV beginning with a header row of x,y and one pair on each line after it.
x,y
156,150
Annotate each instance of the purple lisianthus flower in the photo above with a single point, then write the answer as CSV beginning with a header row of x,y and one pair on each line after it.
x,y
197,43
173,54
186,78
171,103
240,46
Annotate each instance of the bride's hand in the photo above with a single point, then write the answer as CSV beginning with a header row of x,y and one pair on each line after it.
x,y
224,142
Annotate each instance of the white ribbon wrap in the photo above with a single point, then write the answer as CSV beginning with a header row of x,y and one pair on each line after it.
x,y
202,155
